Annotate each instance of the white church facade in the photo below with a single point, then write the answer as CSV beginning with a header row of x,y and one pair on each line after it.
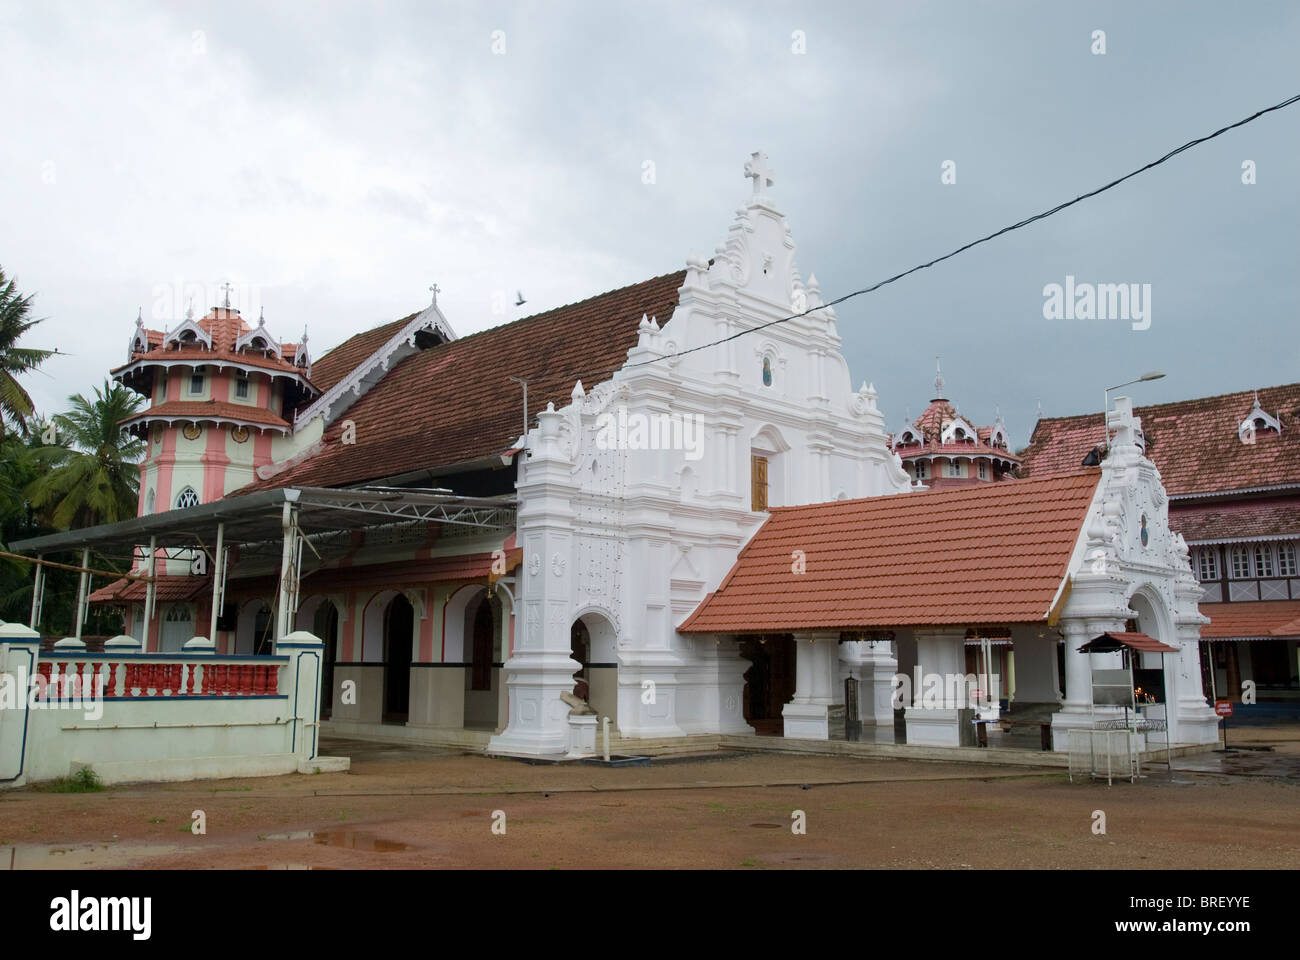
x,y
704,531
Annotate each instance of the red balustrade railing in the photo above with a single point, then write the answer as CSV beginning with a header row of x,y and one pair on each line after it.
x,y
62,679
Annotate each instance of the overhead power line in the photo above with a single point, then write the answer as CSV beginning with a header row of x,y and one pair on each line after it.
x,y
975,243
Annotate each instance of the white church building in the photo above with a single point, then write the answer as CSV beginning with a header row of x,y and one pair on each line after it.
x,y
704,529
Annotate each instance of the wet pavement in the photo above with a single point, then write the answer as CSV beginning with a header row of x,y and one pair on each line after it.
x,y
1242,763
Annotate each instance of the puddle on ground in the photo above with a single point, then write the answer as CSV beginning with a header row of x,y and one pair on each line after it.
x,y
349,839
290,866
76,856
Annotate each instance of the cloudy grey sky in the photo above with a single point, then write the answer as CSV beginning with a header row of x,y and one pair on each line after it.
x,y
332,160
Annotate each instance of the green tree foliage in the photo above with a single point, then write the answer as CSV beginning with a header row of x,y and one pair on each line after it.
x,y
15,321
90,475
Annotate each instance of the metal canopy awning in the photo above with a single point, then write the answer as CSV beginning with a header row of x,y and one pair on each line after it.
x,y
1109,642
257,518
280,520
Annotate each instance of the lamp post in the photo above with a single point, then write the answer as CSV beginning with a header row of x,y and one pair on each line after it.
x,y
1105,404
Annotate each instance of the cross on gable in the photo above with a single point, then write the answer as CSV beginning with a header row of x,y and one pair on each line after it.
x,y
435,290
756,169
226,287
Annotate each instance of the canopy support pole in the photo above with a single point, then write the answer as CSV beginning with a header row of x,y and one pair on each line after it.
x,y
287,605
38,592
83,587
218,584
148,596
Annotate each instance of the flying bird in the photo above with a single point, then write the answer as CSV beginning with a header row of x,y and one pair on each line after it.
x,y
519,298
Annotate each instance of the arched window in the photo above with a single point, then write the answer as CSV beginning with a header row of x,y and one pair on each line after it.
x,y
187,498
1286,560
1264,560
148,503
767,371
1241,568
1207,564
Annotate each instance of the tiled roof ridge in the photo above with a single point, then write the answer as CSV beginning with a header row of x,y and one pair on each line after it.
x,y
571,305
1006,488
1176,403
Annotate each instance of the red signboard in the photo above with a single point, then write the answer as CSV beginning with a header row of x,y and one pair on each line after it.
x,y
1223,708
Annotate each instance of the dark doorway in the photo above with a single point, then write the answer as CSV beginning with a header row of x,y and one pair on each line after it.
x,y
580,650
769,682
399,622
326,627
481,661
263,641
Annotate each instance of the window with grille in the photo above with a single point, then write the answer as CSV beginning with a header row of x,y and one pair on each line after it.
x,y
1286,560
241,386
984,471
1241,568
1207,564
1264,560
757,482
922,470
952,469
187,498
196,382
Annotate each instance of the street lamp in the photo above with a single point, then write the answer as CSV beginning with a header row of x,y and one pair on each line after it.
x,y
1105,406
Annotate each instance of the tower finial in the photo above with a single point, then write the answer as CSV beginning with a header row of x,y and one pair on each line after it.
x,y
938,379
226,287
435,290
139,316
189,309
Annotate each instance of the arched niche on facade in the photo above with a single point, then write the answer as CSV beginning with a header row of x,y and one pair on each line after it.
x,y
254,626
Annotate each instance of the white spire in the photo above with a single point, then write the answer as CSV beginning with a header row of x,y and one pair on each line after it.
x,y
938,379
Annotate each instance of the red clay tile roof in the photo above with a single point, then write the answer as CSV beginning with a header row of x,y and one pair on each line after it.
x,y
995,554
454,403
1193,442
1237,520
931,424
343,359
1260,618
199,410
225,326
167,589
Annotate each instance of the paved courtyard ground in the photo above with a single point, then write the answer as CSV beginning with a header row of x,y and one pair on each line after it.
x,y
413,807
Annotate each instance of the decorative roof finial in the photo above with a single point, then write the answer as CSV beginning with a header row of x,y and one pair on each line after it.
x,y
261,316
226,287
189,309
756,169
1040,409
435,290
139,316
938,379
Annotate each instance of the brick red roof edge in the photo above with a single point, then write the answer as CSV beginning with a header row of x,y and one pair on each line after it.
x,y
470,410
994,554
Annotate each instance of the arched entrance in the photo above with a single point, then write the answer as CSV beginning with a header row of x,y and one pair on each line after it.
x,y
482,653
769,681
399,625
177,628
592,642
325,626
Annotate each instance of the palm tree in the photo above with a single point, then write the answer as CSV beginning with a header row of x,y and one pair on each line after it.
x,y
15,403
93,475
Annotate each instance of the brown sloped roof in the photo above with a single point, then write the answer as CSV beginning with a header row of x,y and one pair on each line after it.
x,y
343,359
993,554
214,410
1237,519
1260,618
1193,442
454,403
